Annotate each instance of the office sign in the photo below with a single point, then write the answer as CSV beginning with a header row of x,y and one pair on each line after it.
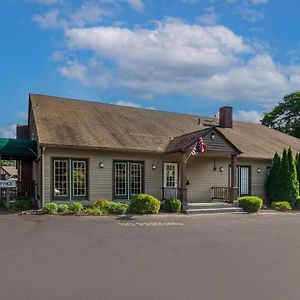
x,y
7,184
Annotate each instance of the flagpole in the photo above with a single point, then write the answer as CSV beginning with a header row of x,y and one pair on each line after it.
x,y
188,157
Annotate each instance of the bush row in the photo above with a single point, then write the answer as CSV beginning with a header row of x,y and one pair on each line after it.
x,y
140,204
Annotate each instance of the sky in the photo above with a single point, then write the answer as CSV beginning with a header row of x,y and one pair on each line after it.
x,y
189,56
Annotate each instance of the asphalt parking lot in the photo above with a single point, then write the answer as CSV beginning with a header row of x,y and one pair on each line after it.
x,y
181,257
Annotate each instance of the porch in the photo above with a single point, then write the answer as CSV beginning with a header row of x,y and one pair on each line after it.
x,y
23,154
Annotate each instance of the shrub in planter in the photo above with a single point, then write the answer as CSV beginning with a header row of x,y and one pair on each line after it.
x,y
62,208
250,204
172,205
50,208
76,207
117,208
21,203
281,206
93,211
144,204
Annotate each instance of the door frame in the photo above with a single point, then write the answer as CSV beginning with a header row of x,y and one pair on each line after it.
x,y
176,172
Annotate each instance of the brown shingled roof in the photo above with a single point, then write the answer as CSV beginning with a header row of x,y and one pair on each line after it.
x,y
76,123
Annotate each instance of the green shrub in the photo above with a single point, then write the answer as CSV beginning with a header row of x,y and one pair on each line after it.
x,y
250,204
100,203
116,208
281,206
62,208
76,207
50,208
21,203
144,204
297,203
2,202
172,205
93,211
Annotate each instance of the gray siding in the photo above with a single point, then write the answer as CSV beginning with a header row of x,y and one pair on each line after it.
x,y
200,172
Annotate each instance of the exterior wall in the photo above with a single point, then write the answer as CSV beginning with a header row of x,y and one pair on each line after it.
x,y
100,180
200,172
258,180
202,177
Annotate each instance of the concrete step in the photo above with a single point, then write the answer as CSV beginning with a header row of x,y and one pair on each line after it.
x,y
210,205
212,208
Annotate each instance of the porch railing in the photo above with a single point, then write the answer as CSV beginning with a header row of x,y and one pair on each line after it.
x,y
224,192
169,193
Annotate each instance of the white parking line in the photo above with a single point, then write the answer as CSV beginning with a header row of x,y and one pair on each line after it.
x,y
135,224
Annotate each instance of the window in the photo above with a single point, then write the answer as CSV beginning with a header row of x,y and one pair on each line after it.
x,y
70,179
79,178
60,178
128,179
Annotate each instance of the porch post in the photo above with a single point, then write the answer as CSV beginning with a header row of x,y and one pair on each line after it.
x,y
183,190
233,187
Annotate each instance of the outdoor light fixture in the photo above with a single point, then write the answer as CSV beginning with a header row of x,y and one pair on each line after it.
x,y
258,170
101,165
221,169
153,167
213,135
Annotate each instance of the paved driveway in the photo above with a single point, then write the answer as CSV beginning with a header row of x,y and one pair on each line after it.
x,y
207,257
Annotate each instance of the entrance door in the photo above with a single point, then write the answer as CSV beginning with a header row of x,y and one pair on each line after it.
x,y
244,175
170,181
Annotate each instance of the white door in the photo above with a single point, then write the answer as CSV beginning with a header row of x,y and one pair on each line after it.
x,y
170,180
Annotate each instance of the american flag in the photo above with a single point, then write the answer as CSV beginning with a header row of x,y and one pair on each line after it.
x,y
199,147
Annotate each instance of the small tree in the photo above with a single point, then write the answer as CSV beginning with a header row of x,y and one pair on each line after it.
x,y
298,168
293,183
284,178
273,180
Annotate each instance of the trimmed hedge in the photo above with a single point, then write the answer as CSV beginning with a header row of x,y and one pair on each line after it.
x,y
172,205
144,204
93,211
281,206
117,208
100,203
50,208
76,207
62,208
250,204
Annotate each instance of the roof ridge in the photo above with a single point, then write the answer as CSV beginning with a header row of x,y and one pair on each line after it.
x,y
118,105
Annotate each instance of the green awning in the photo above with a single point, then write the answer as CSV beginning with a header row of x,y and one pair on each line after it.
x,y
17,149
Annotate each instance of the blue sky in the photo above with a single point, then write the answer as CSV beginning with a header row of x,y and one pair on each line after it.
x,y
190,56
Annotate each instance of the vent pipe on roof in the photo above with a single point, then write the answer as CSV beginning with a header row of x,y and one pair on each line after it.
x,y
225,117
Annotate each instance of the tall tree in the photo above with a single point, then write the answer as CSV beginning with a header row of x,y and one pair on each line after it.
x,y
273,180
293,183
298,168
284,177
285,117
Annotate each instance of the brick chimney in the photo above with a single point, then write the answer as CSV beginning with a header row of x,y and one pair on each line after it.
x,y
225,117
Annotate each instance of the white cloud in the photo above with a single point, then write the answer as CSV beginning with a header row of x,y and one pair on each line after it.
x,y
137,5
49,20
209,17
251,116
89,13
176,58
8,132
132,104
46,2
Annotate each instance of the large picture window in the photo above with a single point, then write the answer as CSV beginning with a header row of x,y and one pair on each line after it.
x,y
70,179
128,179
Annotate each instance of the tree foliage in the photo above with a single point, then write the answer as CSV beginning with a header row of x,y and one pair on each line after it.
x,y
285,117
282,182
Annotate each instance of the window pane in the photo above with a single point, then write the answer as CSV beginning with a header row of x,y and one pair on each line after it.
x,y
79,178
120,178
244,181
60,178
136,178
171,176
